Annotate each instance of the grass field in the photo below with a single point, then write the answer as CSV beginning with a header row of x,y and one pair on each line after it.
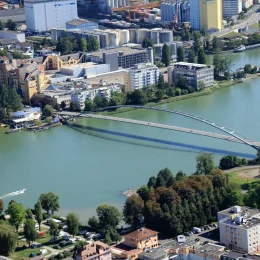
x,y
233,177
232,34
255,25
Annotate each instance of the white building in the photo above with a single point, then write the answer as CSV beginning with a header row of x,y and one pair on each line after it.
x,y
142,75
195,14
247,3
79,97
43,15
231,8
12,35
239,229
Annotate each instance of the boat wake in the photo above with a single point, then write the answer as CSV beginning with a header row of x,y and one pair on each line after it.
x,y
11,194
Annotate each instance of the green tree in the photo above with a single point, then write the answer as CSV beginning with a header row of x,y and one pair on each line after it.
x,y
29,231
73,106
201,57
89,105
166,55
28,214
3,53
160,83
180,54
94,43
63,105
93,223
151,182
180,176
221,65
1,206
49,202
54,229
147,43
216,44
143,192
117,99
133,210
98,101
38,213
17,214
10,25
248,68
48,120
8,239
48,111
182,82
73,223
197,41
14,100
201,85
177,92
160,94
230,161
254,70
137,97
2,25
205,163
83,44
192,57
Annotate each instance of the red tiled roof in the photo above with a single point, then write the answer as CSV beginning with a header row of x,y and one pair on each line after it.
x,y
141,234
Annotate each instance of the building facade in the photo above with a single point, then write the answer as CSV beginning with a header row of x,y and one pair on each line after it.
x,y
231,8
79,97
194,73
195,14
43,15
12,35
140,76
247,3
81,24
239,229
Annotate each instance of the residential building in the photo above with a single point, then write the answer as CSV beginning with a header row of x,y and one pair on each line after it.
x,y
232,255
25,117
81,24
231,8
247,3
194,73
142,75
79,97
239,228
12,36
94,251
155,255
43,15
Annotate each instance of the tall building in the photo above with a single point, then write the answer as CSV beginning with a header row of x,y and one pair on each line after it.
x,y
206,15
211,15
142,75
43,15
231,8
171,11
239,229
185,11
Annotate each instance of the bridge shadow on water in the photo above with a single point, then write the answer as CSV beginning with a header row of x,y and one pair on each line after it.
x,y
99,133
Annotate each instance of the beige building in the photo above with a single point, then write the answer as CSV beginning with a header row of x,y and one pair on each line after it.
x,y
239,229
211,15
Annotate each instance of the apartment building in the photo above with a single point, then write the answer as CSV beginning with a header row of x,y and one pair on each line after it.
x,y
239,229
231,8
79,97
142,75
194,73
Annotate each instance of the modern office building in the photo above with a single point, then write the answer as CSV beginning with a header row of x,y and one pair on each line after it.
x,y
231,8
239,229
193,72
195,14
81,24
142,75
43,15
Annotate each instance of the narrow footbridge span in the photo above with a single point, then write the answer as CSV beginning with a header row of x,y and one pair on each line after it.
x,y
232,135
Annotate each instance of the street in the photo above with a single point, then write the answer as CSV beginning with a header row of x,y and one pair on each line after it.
x,y
16,15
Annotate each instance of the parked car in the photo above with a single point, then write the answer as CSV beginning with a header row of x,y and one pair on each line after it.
x,y
83,231
53,239
66,238
32,255
56,247
34,246
206,242
63,243
72,240
197,239
187,234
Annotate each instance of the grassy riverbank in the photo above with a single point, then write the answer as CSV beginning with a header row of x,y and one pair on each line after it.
x,y
207,91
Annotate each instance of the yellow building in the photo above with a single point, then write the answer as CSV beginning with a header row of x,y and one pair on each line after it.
x,y
211,15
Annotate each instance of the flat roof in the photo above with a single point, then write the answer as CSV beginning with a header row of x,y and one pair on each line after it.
x,y
211,248
230,211
78,22
181,63
233,254
126,50
248,224
156,253
46,1
81,65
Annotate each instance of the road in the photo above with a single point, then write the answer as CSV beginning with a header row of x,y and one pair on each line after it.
x,y
16,15
255,17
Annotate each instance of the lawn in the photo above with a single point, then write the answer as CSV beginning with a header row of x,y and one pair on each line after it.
x,y
242,181
232,34
255,25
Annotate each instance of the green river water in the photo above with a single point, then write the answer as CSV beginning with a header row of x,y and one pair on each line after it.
x,y
87,166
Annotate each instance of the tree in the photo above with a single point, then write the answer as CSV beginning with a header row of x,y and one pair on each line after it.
x,y
180,176
38,213
29,231
221,65
48,120
1,206
54,229
2,25
14,100
28,214
216,44
48,111
94,44
49,202
205,163
137,97
93,223
63,105
192,57
10,25
117,98
166,55
182,82
201,85
254,70
133,210
89,105
72,222
143,192
98,101
73,106
17,214
230,161
201,57
248,68
83,44
160,83
147,43
180,54
197,42
8,239
160,94
151,182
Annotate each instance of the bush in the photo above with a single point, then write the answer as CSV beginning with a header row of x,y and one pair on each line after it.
x,y
177,92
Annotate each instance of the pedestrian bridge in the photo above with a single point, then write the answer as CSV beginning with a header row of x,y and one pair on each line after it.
x,y
232,135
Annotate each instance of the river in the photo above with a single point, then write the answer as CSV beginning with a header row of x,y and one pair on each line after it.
x,y
90,166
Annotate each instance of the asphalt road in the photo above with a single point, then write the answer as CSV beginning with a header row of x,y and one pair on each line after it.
x,y
16,15
255,17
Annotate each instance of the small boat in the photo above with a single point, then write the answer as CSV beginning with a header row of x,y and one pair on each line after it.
x,y
240,48
21,191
